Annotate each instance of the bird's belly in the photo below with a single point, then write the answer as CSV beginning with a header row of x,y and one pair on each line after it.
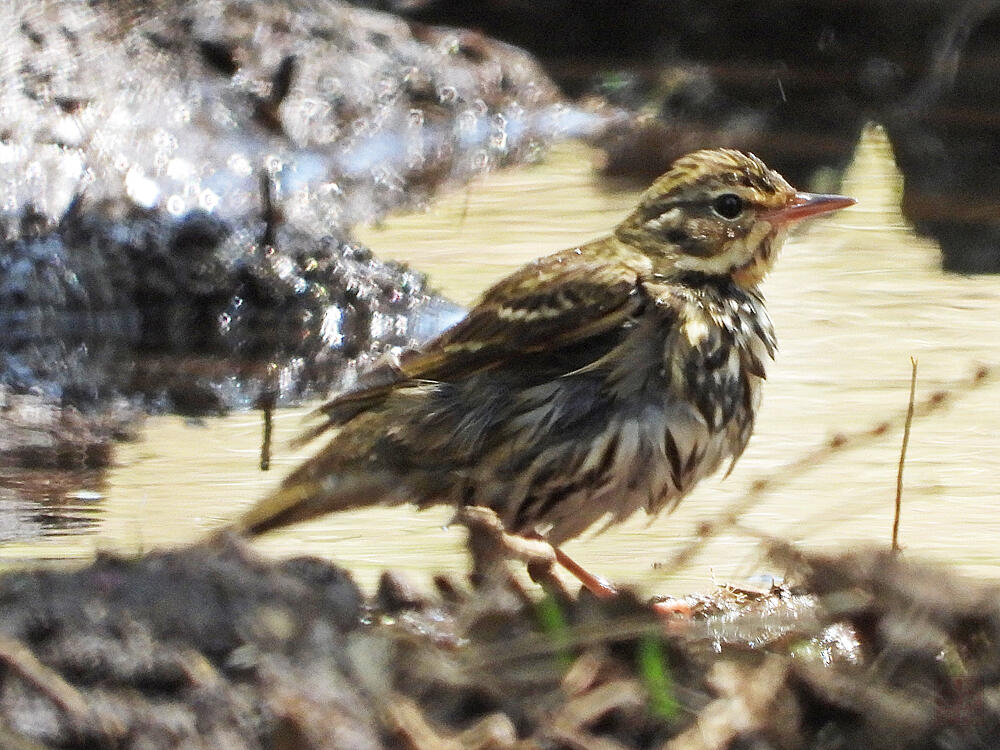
x,y
644,458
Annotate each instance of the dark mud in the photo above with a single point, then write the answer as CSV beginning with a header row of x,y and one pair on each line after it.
x,y
213,647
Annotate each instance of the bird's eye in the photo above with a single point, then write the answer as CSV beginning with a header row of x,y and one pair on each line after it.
x,y
728,205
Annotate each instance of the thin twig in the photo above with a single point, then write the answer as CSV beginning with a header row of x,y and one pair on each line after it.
x,y
465,203
269,212
267,407
902,458
265,442
266,402
18,658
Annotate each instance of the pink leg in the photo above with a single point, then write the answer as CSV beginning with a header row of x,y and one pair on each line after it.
x,y
597,585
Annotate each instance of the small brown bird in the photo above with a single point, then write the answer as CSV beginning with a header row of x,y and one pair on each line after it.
x,y
602,380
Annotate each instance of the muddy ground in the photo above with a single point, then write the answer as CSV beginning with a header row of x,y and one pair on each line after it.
x,y
214,647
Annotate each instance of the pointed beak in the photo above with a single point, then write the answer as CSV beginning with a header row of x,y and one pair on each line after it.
x,y
807,205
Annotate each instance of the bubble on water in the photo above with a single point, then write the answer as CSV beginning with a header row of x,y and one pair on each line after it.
x,y
239,164
175,205
142,190
208,200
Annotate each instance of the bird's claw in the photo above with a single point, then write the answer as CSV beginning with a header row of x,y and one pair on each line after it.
x,y
491,545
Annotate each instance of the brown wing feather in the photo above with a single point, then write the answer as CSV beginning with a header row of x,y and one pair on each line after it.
x,y
545,305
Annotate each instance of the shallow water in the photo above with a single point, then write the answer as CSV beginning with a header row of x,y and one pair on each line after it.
x,y
853,298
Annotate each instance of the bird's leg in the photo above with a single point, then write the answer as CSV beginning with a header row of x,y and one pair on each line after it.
x,y
597,585
490,544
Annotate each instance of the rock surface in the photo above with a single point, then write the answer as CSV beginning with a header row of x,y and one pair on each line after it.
x,y
182,178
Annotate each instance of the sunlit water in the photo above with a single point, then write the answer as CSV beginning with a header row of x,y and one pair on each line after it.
x,y
853,299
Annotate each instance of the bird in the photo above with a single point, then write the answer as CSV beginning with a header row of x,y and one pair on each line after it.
x,y
592,384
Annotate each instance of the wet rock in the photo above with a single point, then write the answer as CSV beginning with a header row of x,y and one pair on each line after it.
x,y
182,178
194,649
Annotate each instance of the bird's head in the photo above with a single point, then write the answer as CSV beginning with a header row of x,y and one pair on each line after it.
x,y
720,213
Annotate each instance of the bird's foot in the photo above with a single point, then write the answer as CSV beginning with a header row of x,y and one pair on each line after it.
x,y
491,545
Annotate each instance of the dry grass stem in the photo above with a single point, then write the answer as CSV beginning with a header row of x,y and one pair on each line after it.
x,y
18,658
902,457
413,728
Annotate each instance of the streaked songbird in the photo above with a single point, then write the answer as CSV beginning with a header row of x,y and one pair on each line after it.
x,y
602,380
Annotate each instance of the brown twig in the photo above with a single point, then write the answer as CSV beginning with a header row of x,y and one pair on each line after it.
x,y
411,725
267,407
266,403
902,458
18,658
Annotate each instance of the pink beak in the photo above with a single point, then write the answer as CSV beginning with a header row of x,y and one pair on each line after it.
x,y
806,205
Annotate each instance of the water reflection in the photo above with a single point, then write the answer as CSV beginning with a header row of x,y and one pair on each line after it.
x,y
37,503
852,300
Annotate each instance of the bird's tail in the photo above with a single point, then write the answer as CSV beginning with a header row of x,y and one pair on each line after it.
x,y
305,495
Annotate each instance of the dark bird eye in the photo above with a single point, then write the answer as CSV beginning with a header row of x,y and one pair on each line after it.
x,y
728,205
